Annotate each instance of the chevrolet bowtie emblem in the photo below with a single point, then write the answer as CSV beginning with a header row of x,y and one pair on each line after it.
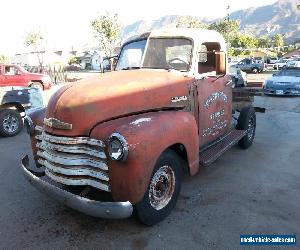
x,y
55,123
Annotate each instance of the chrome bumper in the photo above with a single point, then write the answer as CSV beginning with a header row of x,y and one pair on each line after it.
x,y
107,210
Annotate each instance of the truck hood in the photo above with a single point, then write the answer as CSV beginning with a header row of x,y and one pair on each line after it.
x,y
89,102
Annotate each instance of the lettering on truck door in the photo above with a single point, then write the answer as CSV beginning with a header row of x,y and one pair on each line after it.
x,y
215,101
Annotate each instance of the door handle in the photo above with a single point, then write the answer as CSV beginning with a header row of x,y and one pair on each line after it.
x,y
229,82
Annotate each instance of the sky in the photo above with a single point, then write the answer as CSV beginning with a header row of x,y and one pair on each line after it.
x,y
66,23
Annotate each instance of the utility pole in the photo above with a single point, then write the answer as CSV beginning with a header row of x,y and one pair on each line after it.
x,y
228,27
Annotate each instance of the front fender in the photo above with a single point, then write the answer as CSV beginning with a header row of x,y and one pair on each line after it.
x,y
34,118
147,135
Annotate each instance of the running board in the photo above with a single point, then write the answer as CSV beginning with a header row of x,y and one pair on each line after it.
x,y
208,156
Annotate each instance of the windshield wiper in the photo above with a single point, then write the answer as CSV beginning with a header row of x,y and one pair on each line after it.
x,y
129,68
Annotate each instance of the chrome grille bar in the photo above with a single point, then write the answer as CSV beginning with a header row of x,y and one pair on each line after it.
x,y
75,181
70,140
73,160
76,171
75,149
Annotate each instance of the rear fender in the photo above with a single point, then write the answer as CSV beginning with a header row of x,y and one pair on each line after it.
x,y
148,136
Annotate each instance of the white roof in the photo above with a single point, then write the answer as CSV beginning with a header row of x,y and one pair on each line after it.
x,y
199,36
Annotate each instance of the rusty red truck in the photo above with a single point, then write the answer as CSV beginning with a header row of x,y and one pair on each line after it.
x,y
121,141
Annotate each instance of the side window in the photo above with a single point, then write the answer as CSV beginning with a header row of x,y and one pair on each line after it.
x,y
248,61
10,70
203,54
207,57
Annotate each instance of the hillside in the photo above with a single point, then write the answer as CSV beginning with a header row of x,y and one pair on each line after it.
x,y
281,17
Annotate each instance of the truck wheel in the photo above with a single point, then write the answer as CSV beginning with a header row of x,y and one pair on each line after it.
x,y
37,85
10,122
255,70
247,121
163,190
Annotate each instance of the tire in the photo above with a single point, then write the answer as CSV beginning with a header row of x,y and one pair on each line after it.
x,y
153,209
11,122
37,85
255,70
247,121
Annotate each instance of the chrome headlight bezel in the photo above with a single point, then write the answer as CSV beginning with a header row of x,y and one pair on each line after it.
x,y
118,138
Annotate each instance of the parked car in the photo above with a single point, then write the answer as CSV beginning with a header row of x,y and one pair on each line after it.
x,y
295,62
272,60
281,63
239,77
14,103
233,61
251,65
14,75
285,82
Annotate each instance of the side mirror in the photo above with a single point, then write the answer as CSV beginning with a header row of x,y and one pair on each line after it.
x,y
109,64
220,63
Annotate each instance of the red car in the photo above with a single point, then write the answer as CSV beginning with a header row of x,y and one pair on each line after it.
x,y
14,75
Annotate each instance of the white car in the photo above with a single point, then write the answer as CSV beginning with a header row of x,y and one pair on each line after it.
x,y
285,82
294,63
281,63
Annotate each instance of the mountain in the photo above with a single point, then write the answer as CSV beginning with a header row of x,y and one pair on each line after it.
x,y
281,17
142,26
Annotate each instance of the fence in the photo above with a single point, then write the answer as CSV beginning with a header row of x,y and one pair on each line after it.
x,y
57,74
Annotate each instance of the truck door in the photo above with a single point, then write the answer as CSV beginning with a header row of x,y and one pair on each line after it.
x,y
214,99
12,76
1,75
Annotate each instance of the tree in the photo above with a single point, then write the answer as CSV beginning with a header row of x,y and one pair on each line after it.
x,y
278,40
74,60
107,29
228,28
3,59
263,42
34,39
189,22
242,44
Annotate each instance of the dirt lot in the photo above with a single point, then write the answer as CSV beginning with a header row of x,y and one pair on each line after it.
x,y
244,192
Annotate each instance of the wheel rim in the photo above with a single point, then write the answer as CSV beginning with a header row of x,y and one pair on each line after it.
x,y
10,124
251,128
162,187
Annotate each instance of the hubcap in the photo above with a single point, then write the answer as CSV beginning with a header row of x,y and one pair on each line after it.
x,y
10,124
162,187
251,128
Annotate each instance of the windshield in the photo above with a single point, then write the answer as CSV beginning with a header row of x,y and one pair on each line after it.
x,y
289,72
162,53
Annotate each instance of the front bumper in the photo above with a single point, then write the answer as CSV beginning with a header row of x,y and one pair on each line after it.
x,y
281,92
107,210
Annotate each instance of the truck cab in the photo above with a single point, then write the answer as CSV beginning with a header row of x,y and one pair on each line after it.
x,y
131,134
17,76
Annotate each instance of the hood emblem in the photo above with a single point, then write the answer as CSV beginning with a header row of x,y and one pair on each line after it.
x,y
55,123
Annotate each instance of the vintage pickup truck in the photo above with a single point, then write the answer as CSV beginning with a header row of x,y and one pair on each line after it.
x,y
121,141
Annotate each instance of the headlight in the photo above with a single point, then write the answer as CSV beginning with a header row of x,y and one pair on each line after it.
x,y
117,147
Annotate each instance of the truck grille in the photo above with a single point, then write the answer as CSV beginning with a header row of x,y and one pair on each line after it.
x,y
73,161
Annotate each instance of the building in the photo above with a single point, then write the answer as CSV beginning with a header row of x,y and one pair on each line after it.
x,y
91,60
295,52
57,57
